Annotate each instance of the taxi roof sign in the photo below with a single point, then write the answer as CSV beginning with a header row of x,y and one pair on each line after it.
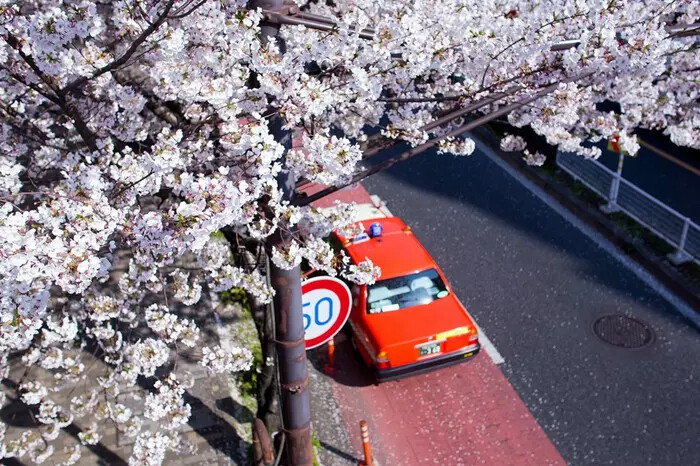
x,y
360,238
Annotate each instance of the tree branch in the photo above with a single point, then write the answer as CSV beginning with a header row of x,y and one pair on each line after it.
x,y
81,81
68,108
433,142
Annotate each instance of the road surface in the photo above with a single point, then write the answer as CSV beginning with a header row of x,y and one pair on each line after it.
x,y
535,284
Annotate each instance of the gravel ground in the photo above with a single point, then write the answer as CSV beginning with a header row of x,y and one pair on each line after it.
x,y
328,427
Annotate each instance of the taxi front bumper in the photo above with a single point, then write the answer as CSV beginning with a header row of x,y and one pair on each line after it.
x,y
427,365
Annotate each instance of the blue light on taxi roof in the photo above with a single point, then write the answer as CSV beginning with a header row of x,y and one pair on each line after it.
x,y
375,230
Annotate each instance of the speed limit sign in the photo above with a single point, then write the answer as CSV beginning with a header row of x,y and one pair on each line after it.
x,y
326,307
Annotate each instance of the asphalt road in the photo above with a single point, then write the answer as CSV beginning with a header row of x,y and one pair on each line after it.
x,y
536,284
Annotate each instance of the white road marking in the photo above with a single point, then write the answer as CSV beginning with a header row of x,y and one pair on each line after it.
x,y
381,205
489,347
681,306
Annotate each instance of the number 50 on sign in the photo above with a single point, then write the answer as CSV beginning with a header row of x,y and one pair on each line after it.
x,y
326,306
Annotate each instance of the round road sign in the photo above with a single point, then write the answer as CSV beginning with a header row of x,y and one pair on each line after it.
x,y
326,306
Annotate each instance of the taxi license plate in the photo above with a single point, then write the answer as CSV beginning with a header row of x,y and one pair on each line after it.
x,y
429,349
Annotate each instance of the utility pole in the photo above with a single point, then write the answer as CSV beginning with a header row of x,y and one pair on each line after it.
x,y
289,322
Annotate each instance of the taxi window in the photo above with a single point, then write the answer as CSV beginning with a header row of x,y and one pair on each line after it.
x,y
407,291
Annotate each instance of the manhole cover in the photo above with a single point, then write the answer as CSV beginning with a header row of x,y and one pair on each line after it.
x,y
623,331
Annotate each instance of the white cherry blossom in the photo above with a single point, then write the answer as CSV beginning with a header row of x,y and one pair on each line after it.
x,y
219,360
537,159
512,143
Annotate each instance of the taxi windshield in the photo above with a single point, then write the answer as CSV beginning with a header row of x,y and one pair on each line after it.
x,y
407,291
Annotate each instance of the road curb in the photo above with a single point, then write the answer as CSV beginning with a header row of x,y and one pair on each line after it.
x,y
595,219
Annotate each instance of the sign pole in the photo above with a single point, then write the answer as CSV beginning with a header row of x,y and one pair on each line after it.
x,y
611,206
289,331
291,357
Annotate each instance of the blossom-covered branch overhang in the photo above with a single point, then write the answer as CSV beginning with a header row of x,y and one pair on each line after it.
x,y
135,130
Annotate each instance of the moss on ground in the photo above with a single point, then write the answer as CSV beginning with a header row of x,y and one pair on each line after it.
x,y
246,332
316,444
243,332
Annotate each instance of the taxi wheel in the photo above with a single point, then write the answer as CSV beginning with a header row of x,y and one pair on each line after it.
x,y
354,344
356,350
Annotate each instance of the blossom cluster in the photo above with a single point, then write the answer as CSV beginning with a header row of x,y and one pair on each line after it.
x,y
511,143
457,146
325,160
537,159
220,360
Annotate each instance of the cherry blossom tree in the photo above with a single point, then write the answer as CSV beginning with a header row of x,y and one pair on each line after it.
x,y
134,132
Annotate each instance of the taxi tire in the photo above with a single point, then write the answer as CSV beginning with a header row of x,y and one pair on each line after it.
x,y
356,350
354,344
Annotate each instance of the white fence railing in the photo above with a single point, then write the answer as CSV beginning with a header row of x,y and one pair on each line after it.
x,y
675,228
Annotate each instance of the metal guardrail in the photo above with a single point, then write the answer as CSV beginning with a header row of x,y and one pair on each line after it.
x,y
674,228
589,172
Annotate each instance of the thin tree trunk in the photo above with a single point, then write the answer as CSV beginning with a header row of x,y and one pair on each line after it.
x,y
266,392
250,256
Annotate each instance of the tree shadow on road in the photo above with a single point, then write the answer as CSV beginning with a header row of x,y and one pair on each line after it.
x,y
218,433
17,414
234,409
340,453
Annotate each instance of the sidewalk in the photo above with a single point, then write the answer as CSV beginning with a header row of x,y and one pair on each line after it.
x,y
217,432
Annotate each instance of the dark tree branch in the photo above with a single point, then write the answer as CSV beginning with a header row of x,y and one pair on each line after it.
x,y
163,110
180,13
434,142
24,128
79,82
31,86
60,97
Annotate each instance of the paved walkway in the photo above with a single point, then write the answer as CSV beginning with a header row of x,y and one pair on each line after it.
x,y
218,430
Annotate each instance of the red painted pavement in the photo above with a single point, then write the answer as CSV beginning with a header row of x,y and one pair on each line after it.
x,y
460,415
356,193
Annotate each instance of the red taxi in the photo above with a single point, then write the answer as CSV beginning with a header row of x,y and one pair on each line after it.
x,y
409,321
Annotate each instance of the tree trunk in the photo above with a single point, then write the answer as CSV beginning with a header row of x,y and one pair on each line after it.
x,y
251,255
266,390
